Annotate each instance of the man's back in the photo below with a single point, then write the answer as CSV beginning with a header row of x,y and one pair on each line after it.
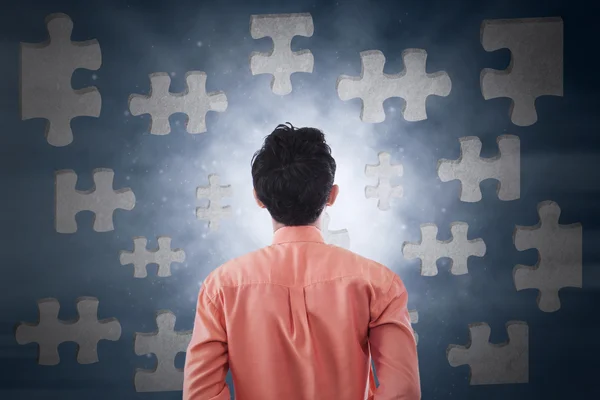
x,y
294,321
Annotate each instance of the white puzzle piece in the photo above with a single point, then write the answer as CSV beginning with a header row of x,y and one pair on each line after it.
x,y
340,238
536,64
215,193
102,200
560,262
374,86
281,62
384,172
470,169
165,343
46,71
140,257
414,318
458,249
195,102
493,364
86,331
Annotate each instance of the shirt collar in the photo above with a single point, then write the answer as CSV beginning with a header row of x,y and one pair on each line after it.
x,y
305,233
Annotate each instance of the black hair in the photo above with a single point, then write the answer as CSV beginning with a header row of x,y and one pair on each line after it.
x,y
293,174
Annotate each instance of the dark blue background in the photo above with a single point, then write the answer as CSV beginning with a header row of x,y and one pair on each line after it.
x,y
137,38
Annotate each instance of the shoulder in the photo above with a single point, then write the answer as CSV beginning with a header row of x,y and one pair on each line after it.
x,y
377,274
234,272
247,269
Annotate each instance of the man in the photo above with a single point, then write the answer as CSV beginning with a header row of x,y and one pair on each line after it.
x,y
300,319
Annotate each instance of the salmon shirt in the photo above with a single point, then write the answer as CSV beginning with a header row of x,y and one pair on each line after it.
x,y
302,320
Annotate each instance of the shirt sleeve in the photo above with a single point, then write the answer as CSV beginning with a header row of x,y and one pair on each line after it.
x,y
393,346
206,359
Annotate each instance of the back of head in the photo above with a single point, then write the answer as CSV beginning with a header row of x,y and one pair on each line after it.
x,y
293,174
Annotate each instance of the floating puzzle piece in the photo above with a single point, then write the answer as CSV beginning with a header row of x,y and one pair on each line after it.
x,y
86,331
560,250
102,200
281,62
458,249
46,71
384,172
414,318
536,64
214,193
140,257
165,343
471,170
493,364
161,103
413,85
340,238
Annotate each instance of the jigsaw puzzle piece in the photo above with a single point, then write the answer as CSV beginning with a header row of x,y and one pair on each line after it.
x,y
459,248
560,262
141,257
493,364
470,169
88,331
413,85
340,238
46,71
417,85
414,318
102,200
50,332
165,343
536,65
215,194
195,102
159,104
427,255
383,192
372,87
384,172
196,111
281,62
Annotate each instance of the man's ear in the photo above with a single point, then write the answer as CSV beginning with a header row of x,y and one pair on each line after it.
x,y
335,190
260,203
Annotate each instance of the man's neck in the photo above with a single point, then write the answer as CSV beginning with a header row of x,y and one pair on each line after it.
x,y
278,225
